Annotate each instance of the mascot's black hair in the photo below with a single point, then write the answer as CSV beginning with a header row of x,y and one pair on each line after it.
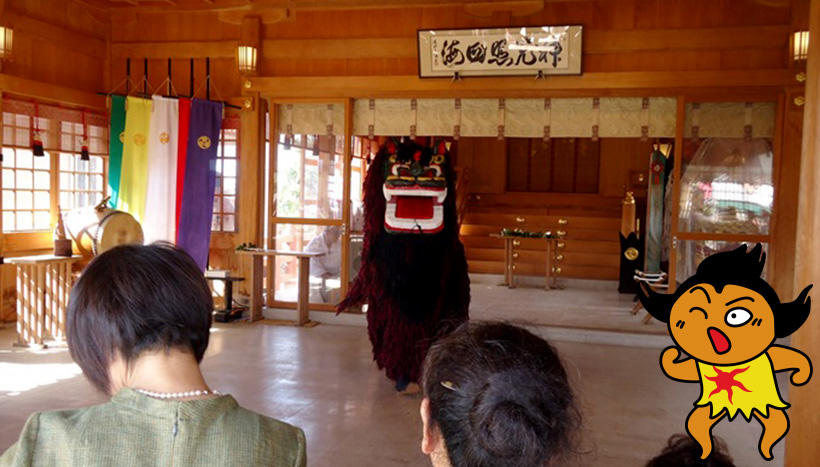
x,y
737,267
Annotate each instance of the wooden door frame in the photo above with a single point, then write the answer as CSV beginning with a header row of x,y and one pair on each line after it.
x,y
767,93
273,220
777,140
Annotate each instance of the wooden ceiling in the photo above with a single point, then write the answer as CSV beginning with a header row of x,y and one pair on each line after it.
x,y
271,11
226,5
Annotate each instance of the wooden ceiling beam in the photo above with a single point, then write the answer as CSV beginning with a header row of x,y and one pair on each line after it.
x,y
595,42
761,82
159,50
514,8
50,92
63,37
95,4
261,5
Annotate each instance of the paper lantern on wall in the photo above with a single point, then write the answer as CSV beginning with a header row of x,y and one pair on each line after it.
x,y
800,46
246,59
6,41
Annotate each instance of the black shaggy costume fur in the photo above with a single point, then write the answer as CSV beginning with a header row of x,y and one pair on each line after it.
x,y
416,285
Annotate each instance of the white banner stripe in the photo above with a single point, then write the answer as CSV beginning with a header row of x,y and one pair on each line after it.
x,y
160,206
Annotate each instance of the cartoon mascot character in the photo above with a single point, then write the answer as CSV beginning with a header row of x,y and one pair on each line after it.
x,y
414,272
726,319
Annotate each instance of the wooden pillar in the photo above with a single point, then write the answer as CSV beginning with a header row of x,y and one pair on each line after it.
x,y
346,206
250,34
251,155
273,126
251,186
802,446
2,235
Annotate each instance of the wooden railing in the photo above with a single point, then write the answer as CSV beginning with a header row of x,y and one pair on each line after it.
x,y
43,286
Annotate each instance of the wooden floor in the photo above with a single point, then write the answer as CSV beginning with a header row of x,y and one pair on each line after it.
x,y
323,380
581,304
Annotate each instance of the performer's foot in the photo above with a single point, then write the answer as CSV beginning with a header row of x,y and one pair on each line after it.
x,y
401,383
411,390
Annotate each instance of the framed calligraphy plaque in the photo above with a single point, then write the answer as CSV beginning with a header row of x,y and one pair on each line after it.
x,y
535,51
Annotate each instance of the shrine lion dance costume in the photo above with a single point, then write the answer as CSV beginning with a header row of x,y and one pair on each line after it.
x,y
414,273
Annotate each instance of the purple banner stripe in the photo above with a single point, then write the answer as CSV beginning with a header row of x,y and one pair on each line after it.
x,y
194,231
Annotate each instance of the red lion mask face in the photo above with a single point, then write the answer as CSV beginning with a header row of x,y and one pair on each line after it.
x,y
415,191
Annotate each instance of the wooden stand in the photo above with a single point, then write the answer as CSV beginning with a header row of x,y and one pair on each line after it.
x,y
228,311
511,254
43,285
302,302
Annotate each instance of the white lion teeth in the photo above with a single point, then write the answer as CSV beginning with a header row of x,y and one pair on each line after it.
x,y
389,193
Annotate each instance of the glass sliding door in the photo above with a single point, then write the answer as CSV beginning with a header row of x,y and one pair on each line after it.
x,y
307,209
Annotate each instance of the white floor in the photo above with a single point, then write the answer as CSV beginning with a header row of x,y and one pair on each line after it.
x,y
323,380
579,311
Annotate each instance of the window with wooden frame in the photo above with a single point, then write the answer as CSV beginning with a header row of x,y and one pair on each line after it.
x,y
33,186
26,178
227,177
559,165
309,176
82,183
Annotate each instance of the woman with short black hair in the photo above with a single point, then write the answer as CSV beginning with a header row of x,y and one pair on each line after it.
x,y
137,324
496,395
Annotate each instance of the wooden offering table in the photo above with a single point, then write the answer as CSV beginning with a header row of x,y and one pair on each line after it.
x,y
511,253
43,285
303,298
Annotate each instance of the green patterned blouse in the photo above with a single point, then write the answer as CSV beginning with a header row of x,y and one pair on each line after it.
x,y
136,430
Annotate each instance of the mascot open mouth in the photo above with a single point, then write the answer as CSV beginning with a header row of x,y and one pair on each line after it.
x,y
415,194
720,341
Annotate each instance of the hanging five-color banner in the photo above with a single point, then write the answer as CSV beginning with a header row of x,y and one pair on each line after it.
x,y
162,167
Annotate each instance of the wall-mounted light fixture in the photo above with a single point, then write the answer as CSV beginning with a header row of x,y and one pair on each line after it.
x,y
800,46
246,59
6,41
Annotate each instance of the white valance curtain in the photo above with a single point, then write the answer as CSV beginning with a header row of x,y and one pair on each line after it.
x,y
605,117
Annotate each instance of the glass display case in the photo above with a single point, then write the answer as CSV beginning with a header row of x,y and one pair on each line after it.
x,y
727,187
726,191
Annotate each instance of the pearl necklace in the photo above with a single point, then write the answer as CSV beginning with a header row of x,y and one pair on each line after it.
x,y
177,395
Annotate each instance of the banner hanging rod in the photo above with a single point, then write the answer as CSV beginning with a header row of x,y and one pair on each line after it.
x,y
168,94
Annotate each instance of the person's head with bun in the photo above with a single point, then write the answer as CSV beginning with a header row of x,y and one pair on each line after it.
x,y
683,451
496,395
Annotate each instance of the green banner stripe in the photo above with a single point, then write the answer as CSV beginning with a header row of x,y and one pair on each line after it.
x,y
115,147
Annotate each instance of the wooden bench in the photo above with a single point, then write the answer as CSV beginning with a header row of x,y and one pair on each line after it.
x,y
43,286
303,298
